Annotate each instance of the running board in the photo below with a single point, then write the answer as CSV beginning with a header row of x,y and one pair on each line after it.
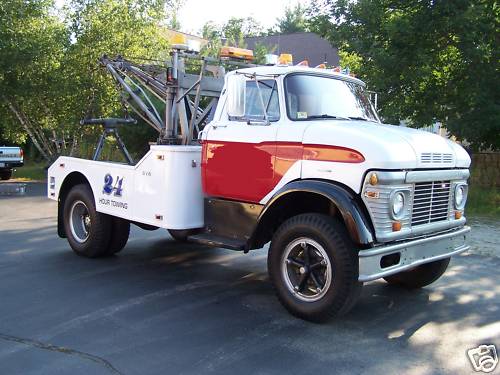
x,y
212,240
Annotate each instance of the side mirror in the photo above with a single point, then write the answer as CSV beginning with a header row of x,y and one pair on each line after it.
x,y
236,94
374,99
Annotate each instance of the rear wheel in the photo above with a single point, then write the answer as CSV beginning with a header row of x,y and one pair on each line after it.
x,y
120,231
314,267
180,235
88,231
420,276
5,175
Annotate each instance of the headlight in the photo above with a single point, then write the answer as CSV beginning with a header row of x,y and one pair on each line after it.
x,y
397,204
460,196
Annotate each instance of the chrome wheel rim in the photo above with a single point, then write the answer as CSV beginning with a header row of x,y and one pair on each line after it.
x,y
79,221
306,269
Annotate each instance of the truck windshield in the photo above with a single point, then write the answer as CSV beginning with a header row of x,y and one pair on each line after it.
x,y
311,97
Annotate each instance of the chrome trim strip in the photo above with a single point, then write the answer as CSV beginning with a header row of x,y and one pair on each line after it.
x,y
390,248
389,178
421,229
437,175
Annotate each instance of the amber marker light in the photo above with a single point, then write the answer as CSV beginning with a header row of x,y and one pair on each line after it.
x,y
372,194
458,215
396,226
285,59
373,179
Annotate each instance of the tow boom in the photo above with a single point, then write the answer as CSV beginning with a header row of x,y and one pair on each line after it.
x,y
170,97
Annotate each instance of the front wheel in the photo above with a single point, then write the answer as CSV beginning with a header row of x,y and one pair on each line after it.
x,y
314,267
420,276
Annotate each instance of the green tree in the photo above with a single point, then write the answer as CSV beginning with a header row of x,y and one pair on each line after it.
x,y
430,60
32,43
211,32
293,21
172,17
129,28
235,30
49,72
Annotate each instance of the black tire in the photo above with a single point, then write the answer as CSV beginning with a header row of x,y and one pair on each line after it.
x,y
145,226
90,240
180,235
120,231
420,276
5,175
312,230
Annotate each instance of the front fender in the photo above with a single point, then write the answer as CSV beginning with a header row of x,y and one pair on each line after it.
x,y
352,213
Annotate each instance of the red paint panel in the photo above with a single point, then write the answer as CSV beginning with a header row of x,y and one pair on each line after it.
x,y
237,170
249,171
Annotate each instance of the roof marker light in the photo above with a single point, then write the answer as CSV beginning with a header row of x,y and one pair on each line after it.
x,y
285,59
303,63
320,66
179,41
271,59
236,53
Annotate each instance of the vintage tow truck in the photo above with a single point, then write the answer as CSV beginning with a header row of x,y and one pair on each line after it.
x,y
287,154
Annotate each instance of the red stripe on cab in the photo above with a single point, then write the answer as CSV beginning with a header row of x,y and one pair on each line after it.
x,y
249,171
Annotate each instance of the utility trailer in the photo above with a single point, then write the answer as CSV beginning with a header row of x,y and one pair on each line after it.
x,y
287,154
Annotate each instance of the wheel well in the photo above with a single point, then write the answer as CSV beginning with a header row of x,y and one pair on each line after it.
x,y
71,180
290,205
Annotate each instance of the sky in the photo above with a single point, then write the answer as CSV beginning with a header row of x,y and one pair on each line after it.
x,y
195,13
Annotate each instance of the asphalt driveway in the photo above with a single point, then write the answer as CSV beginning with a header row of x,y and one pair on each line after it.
x,y
161,307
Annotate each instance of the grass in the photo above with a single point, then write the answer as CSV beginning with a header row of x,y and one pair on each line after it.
x,y
31,172
483,201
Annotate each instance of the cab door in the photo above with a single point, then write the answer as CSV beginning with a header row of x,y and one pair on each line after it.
x,y
239,153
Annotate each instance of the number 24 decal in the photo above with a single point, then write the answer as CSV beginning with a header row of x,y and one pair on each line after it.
x,y
110,188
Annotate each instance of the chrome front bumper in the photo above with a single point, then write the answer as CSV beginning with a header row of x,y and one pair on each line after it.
x,y
411,254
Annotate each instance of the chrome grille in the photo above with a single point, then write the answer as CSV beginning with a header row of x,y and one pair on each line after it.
x,y
435,157
431,202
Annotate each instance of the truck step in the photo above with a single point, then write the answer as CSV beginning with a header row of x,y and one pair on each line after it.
x,y
217,241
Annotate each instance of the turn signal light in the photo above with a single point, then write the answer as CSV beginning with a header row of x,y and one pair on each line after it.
x,y
396,226
458,215
372,194
373,179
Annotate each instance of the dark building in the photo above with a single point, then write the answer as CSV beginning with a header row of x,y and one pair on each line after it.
x,y
303,46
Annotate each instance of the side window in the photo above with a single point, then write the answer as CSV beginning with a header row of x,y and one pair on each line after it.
x,y
253,105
